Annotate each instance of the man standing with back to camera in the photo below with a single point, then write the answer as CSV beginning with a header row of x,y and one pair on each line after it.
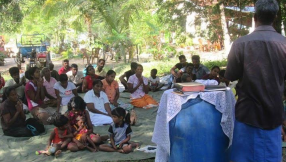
x,y
258,62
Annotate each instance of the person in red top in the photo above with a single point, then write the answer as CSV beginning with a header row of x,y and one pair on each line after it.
x,y
213,75
77,108
59,138
90,77
66,67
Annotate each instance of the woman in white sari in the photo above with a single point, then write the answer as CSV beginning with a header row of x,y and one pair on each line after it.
x,y
97,104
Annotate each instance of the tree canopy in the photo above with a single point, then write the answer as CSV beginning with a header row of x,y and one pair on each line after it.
x,y
127,23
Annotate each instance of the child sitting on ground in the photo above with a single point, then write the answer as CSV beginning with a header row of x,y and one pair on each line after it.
x,y
154,81
120,133
81,134
213,75
77,108
59,138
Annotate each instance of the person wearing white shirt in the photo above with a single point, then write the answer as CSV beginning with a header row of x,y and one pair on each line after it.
x,y
16,82
154,81
99,68
75,77
97,104
65,90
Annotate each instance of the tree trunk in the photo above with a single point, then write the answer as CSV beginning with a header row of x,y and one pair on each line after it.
x,y
226,36
131,53
278,21
283,12
122,52
137,52
62,43
88,21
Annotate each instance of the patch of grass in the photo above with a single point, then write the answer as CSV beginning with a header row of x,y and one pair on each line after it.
x,y
6,77
58,58
210,64
162,67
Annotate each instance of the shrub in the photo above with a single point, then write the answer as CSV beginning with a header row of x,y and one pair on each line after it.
x,y
67,54
163,68
54,49
181,39
209,64
170,51
189,41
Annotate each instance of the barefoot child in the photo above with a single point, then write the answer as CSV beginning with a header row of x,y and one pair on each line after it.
x,y
154,81
59,138
120,133
77,108
81,134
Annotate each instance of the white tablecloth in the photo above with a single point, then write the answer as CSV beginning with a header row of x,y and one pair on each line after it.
x,y
170,106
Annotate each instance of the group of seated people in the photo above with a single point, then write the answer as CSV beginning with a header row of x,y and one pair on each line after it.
x,y
44,96
48,92
188,72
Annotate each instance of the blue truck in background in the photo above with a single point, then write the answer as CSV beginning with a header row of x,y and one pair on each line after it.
x,y
35,42
34,47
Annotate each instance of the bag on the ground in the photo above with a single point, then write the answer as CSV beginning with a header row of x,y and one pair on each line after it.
x,y
35,126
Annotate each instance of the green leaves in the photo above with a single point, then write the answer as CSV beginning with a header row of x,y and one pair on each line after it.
x,y
10,16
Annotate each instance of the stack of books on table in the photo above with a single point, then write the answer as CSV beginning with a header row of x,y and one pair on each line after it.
x,y
194,87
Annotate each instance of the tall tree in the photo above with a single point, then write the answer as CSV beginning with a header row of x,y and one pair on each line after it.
x,y
224,27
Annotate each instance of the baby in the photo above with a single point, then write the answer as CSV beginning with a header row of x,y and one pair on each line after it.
x,y
81,136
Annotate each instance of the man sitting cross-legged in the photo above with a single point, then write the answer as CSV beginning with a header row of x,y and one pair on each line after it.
x,y
127,74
